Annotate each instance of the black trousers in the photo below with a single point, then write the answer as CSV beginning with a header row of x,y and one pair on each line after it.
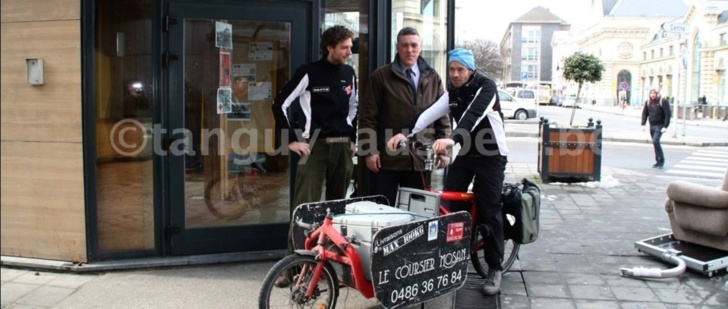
x,y
488,174
388,182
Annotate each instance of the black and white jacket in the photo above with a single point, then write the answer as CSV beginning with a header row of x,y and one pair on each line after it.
x,y
327,94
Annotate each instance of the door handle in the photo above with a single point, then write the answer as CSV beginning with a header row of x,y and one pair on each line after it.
x,y
169,57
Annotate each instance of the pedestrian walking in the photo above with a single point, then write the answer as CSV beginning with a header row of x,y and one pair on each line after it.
x,y
657,111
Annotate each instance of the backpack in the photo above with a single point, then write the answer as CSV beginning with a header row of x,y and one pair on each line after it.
x,y
525,206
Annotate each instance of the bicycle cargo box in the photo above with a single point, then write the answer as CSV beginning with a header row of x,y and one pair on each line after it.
x,y
418,201
364,226
368,207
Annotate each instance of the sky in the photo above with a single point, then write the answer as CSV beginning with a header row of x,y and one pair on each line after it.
x,y
481,19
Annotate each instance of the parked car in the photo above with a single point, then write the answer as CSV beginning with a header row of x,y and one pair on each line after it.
x,y
570,101
525,95
556,100
516,108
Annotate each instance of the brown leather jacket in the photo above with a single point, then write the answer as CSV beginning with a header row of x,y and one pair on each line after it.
x,y
388,105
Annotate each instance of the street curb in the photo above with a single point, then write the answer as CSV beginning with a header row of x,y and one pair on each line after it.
x,y
141,263
633,140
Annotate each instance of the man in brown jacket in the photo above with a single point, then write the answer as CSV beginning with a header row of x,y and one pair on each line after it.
x,y
396,93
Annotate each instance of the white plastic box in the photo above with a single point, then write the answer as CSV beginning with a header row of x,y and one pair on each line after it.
x,y
421,202
363,220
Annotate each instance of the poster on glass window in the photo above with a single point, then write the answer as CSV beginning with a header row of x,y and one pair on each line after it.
x,y
223,101
223,35
224,69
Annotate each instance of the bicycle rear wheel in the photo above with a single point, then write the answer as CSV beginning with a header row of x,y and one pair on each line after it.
x,y
299,269
224,203
477,252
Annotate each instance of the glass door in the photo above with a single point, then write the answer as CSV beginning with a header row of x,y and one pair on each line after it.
x,y
228,178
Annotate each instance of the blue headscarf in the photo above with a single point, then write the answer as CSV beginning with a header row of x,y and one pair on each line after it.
x,y
464,56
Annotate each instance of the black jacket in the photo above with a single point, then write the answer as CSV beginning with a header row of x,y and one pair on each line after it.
x,y
327,94
475,107
657,113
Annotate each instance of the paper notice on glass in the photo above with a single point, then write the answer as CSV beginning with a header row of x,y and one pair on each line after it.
x,y
224,69
223,35
247,70
224,103
240,112
258,51
259,91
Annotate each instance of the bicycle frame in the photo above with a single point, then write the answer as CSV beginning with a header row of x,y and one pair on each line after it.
x,y
316,243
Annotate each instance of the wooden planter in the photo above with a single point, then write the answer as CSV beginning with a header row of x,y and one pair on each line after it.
x,y
570,154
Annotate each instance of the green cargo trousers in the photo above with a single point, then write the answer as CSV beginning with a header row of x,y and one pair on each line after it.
x,y
330,163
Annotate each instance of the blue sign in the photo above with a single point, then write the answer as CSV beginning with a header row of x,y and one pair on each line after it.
x,y
524,75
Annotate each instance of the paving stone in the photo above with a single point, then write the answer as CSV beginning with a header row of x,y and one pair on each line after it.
x,y
550,303
634,294
596,304
593,292
38,278
12,291
45,296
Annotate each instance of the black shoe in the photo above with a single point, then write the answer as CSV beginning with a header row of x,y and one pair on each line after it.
x,y
656,165
492,282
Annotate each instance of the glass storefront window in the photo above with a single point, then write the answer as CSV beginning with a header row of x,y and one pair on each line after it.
x,y
124,103
430,19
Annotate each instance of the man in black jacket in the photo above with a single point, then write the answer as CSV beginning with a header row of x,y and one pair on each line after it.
x,y
326,90
657,111
472,100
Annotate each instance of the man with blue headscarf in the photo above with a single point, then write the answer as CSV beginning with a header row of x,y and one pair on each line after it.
x,y
472,100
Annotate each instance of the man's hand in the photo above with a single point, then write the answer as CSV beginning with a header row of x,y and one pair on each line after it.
x,y
442,161
441,145
643,127
373,163
663,130
393,143
302,149
352,147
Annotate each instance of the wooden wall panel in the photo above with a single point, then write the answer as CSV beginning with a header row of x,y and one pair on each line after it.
x,y
39,10
42,206
51,112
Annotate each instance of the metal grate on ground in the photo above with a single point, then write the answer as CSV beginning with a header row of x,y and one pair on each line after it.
x,y
470,295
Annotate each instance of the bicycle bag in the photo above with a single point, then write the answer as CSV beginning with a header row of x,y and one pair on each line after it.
x,y
525,206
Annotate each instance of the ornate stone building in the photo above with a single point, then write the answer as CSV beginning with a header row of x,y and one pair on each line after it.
x,y
639,54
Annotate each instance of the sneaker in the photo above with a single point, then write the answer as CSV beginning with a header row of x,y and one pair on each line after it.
x,y
492,283
656,165
282,281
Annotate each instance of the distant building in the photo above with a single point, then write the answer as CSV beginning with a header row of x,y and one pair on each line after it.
x,y
526,46
638,54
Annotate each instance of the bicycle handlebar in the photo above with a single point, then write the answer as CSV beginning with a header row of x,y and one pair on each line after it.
x,y
305,225
426,146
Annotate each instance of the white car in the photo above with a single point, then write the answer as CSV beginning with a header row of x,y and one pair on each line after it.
x,y
515,108
569,101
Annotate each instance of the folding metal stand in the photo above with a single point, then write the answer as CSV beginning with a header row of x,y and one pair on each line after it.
x,y
705,260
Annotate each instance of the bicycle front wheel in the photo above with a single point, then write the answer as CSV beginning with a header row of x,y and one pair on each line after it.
x,y
226,204
299,269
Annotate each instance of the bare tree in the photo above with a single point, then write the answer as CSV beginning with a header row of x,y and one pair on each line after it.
x,y
487,56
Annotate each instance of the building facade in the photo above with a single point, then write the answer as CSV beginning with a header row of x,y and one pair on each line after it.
x,y
143,128
526,46
639,54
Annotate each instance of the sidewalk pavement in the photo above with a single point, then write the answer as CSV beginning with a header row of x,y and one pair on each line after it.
x,y
588,231
530,128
